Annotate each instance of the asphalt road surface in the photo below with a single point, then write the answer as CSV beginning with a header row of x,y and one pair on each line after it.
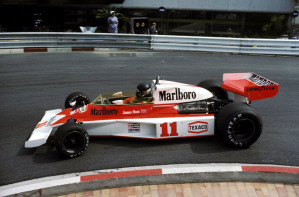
x,y
33,83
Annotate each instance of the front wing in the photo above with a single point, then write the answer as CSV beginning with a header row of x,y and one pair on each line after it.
x,y
43,129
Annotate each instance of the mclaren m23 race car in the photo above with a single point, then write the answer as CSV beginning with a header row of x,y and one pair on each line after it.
x,y
176,110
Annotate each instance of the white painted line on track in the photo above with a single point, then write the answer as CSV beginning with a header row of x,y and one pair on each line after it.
x,y
36,185
202,169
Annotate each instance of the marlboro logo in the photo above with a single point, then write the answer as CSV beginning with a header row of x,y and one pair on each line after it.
x,y
177,95
104,111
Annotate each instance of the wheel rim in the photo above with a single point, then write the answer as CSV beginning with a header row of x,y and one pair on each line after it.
x,y
73,142
80,102
243,129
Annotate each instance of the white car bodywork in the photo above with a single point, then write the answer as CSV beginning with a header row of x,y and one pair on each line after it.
x,y
166,93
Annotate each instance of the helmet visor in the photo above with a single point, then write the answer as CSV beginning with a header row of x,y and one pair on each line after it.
x,y
143,93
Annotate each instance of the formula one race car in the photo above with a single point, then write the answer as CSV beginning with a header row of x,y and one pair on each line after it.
x,y
170,110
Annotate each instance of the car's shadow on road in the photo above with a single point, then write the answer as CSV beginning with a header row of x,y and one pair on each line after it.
x,y
42,154
198,146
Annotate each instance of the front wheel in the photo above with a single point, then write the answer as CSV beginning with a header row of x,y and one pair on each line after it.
x,y
238,125
71,140
76,100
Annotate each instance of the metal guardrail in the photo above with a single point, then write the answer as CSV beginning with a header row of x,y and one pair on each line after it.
x,y
231,45
154,42
51,39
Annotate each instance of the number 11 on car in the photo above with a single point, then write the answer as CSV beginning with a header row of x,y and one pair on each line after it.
x,y
168,131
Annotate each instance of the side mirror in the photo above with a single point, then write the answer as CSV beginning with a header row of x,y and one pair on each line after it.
x,y
157,80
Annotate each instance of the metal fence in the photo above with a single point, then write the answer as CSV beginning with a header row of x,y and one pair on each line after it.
x,y
51,39
227,45
154,42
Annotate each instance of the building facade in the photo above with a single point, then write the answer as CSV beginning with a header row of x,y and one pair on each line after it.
x,y
230,18
265,6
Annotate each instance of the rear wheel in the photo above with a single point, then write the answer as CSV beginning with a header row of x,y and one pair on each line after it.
x,y
238,125
215,88
71,140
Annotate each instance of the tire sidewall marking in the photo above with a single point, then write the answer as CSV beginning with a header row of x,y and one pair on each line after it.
x,y
239,116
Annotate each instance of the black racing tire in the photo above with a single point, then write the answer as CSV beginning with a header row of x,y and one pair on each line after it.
x,y
215,88
238,125
80,98
71,140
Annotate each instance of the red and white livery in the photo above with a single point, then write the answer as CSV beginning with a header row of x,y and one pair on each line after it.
x,y
179,110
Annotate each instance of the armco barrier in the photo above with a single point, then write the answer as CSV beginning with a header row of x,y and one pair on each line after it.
x,y
63,40
227,45
154,42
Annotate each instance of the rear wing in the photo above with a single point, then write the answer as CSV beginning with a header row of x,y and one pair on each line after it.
x,y
250,85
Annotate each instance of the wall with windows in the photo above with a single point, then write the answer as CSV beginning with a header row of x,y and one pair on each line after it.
x,y
233,18
229,18
216,23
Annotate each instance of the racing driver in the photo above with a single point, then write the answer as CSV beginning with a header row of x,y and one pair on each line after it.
x,y
143,95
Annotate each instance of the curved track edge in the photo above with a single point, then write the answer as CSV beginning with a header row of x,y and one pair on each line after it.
x,y
175,173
